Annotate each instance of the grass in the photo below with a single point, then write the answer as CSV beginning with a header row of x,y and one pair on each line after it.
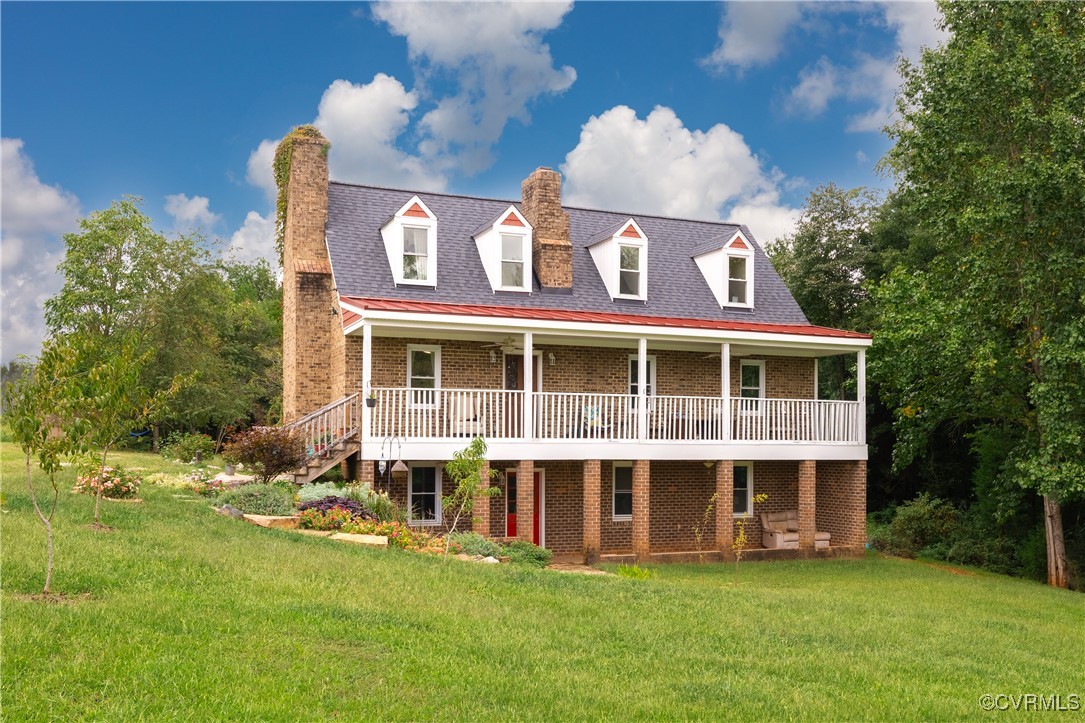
x,y
196,616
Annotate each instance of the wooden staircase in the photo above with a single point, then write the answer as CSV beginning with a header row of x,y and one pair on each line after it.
x,y
331,435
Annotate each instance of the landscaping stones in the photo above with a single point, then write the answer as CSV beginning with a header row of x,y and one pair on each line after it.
x,y
488,560
367,540
275,522
230,511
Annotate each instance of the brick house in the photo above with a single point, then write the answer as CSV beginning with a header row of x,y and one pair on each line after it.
x,y
623,368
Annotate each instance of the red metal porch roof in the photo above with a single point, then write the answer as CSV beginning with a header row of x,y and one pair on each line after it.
x,y
517,312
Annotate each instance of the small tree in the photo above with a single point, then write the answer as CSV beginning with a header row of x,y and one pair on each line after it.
x,y
707,520
465,470
269,451
36,407
738,542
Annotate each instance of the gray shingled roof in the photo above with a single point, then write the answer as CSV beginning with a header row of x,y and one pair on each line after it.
x,y
676,287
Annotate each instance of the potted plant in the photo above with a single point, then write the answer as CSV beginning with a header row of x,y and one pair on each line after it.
x,y
371,399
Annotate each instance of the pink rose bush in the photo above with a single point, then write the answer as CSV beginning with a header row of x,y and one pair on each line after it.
x,y
114,482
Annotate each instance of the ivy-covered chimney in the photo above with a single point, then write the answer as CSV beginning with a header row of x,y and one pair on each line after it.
x,y
551,251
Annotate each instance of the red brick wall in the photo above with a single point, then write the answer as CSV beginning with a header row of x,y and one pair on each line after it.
x,y
841,502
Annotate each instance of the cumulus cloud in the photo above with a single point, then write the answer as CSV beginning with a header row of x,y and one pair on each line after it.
x,y
752,33
33,215
259,171
254,240
494,55
658,165
194,212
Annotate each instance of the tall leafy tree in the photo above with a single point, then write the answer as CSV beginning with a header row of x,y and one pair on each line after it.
x,y
989,151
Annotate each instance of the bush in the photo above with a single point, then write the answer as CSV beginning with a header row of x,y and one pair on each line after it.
x,y
325,504
259,499
472,543
319,490
379,503
333,519
116,483
186,447
921,523
401,536
269,451
522,552
200,482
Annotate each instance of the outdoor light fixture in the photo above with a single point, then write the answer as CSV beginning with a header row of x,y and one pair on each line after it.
x,y
550,357
382,466
399,467
493,356
709,464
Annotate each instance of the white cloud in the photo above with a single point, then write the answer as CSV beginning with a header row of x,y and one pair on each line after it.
x,y
194,212
254,240
494,54
861,158
818,84
260,172
657,165
752,33
33,215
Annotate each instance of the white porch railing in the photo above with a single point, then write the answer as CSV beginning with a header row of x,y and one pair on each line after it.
x,y
324,429
448,413
498,414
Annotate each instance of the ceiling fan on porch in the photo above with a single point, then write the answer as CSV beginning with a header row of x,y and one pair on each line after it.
x,y
509,345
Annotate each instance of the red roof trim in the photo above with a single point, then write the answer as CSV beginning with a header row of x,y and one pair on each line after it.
x,y
511,312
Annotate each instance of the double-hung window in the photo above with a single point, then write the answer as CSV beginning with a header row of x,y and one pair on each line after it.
x,y
629,276
623,492
737,279
751,386
743,490
415,253
423,374
424,495
512,261
634,381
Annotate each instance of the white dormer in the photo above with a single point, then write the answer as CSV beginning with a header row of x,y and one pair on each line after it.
x,y
505,249
410,240
728,270
621,257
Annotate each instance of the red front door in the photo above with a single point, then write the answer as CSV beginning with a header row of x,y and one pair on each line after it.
x,y
510,508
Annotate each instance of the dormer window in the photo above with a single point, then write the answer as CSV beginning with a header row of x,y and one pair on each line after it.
x,y
504,247
726,263
415,253
628,270
620,253
410,241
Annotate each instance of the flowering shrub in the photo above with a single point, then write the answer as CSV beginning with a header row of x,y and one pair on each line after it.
x,y
324,504
333,519
401,536
200,482
114,482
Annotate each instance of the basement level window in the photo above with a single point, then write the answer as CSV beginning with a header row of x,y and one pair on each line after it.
x,y
623,492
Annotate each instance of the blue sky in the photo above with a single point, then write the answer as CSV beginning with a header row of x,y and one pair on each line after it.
x,y
707,110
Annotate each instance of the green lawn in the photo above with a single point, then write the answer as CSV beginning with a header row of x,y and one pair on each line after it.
x,y
195,616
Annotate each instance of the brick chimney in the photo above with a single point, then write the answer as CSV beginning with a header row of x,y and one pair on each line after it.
x,y
551,251
313,346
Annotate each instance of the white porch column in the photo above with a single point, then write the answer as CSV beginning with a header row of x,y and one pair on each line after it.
x,y
642,386
860,394
725,389
529,376
367,379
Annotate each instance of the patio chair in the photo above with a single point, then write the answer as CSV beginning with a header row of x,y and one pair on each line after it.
x,y
466,416
780,531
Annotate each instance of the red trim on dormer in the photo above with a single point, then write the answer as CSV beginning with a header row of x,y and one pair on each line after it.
x,y
631,232
738,243
512,220
416,211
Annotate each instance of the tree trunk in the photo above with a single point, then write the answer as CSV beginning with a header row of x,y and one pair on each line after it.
x,y
48,529
101,487
154,438
1057,570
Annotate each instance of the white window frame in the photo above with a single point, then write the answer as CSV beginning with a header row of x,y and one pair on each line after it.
x,y
749,490
760,364
525,255
392,233
427,256
650,360
747,256
437,491
614,491
436,349
641,276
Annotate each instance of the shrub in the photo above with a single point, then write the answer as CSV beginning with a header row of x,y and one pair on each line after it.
x,y
923,522
186,447
200,482
522,552
259,499
635,573
269,451
333,519
116,483
379,503
325,504
472,543
319,490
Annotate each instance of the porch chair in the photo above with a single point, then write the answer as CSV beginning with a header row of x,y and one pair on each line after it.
x,y
467,416
591,422
780,531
